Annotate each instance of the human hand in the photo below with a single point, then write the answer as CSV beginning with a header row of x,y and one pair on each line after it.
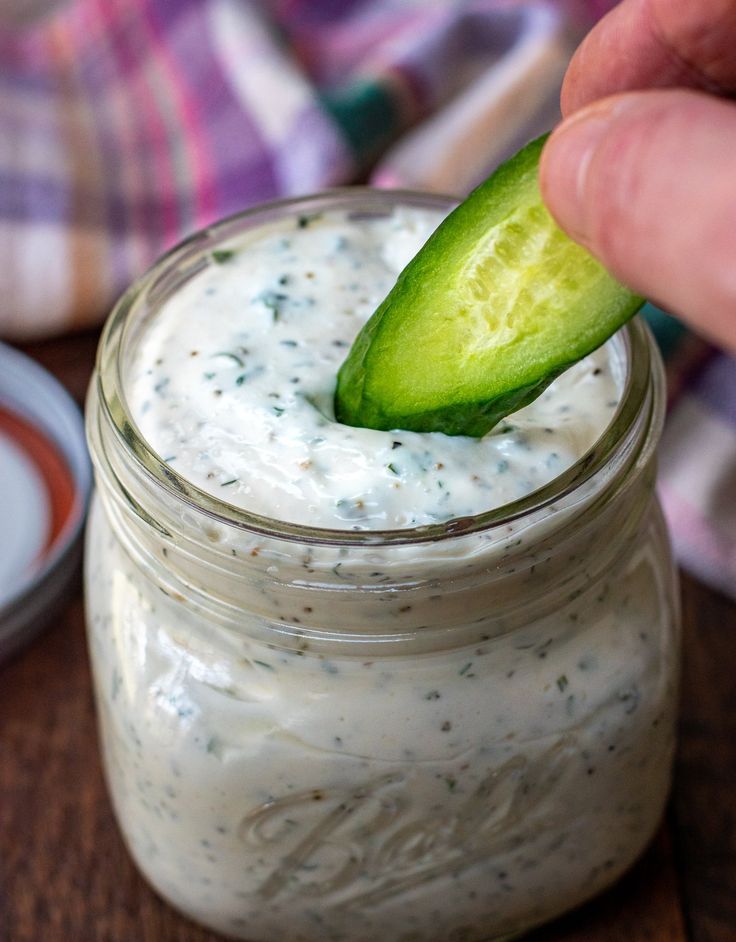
x,y
642,171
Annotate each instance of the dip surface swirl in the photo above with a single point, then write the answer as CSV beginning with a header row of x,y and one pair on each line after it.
x,y
233,383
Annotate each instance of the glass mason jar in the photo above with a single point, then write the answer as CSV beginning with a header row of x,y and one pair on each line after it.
x,y
453,732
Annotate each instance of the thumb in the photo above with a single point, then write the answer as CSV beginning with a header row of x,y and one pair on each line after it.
x,y
646,182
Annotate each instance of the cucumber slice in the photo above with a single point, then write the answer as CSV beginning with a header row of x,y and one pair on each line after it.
x,y
496,305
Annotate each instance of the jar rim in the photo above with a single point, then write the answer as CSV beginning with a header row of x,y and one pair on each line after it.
x,y
643,370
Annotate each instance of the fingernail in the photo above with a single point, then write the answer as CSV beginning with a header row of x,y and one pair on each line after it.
x,y
565,164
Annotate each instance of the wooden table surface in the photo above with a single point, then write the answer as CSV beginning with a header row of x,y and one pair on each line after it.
x,y
65,875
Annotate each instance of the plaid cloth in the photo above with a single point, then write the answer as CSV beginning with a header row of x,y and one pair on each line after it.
x,y
127,124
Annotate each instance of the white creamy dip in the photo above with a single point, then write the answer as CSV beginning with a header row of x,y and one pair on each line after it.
x,y
501,749
233,384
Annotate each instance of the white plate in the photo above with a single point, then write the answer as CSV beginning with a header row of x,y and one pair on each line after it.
x,y
45,482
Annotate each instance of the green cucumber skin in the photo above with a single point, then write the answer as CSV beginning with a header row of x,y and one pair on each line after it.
x,y
474,419
379,387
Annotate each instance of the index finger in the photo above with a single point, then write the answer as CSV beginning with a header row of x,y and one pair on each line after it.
x,y
644,44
